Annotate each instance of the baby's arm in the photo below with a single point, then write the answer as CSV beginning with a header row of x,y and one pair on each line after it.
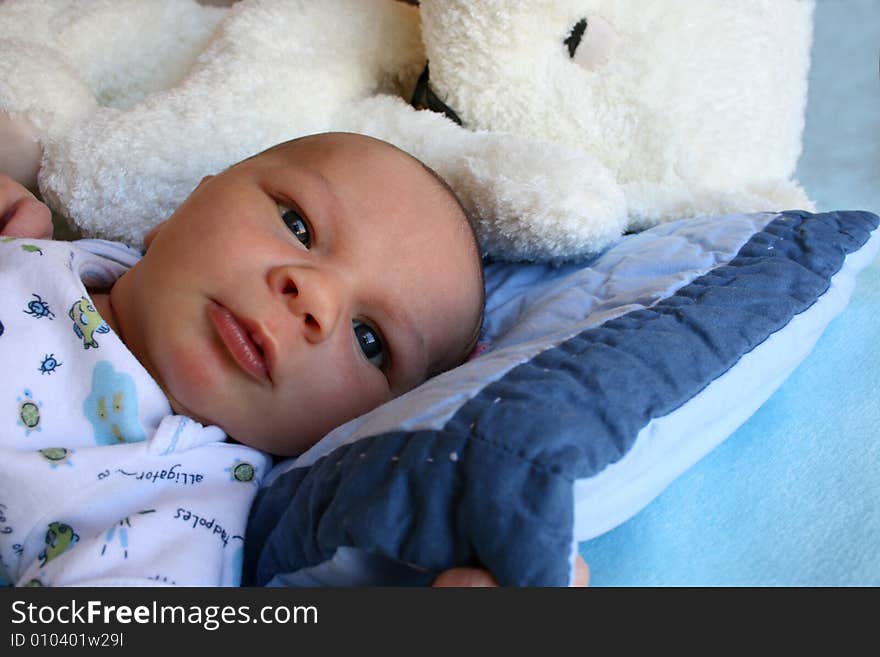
x,y
21,214
474,577
20,151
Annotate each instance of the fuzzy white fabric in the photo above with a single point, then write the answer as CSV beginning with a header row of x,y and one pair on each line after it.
x,y
694,106
255,74
668,109
60,60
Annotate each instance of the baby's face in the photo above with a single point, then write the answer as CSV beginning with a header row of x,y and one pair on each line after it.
x,y
301,288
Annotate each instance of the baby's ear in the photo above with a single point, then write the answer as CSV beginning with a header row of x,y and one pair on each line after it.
x,y
149,237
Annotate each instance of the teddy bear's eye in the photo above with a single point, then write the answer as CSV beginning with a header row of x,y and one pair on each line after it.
x,y
574,38
592,44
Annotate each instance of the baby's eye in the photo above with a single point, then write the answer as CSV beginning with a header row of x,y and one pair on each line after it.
x,y
370,343
297,225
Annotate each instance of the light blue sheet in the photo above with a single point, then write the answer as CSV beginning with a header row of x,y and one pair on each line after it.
x,y
793,497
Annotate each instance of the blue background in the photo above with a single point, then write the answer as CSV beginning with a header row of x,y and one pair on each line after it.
x,y
793,497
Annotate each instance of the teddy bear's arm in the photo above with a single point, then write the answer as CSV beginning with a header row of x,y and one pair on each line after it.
x,y
270,73
60,60
528,199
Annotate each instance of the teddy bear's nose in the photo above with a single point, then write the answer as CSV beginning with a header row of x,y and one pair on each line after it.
x,y
591,42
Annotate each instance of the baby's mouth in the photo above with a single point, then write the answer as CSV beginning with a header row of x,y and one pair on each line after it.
x,y
244,346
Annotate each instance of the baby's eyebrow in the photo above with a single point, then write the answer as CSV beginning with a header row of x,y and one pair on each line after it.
x,y
326,203
326,186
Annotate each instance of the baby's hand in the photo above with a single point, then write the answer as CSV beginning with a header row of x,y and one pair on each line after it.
x,y
21,214
474,577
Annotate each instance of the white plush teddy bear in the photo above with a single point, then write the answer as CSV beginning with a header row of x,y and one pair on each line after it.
x,y
692,106
583,118
61,60
132,102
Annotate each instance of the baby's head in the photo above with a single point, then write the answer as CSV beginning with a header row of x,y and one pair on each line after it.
x,y
303,287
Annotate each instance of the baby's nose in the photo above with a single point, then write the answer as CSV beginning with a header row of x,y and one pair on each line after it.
x,y
312,297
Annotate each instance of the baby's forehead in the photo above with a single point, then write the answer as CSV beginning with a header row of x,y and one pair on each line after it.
x,y
357,148
391,167
340,143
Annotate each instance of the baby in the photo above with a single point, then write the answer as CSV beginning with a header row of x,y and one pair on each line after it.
x,y
288,294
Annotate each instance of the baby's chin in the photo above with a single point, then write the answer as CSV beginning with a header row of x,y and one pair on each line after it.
x,y
180,409
274,446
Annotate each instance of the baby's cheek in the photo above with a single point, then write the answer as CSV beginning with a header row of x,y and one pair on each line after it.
x,y
192,375
316,404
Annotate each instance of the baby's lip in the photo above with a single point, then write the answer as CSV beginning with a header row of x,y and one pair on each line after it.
x,y
246,342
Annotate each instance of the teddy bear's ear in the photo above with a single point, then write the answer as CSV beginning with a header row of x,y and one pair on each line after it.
x,y
424,98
